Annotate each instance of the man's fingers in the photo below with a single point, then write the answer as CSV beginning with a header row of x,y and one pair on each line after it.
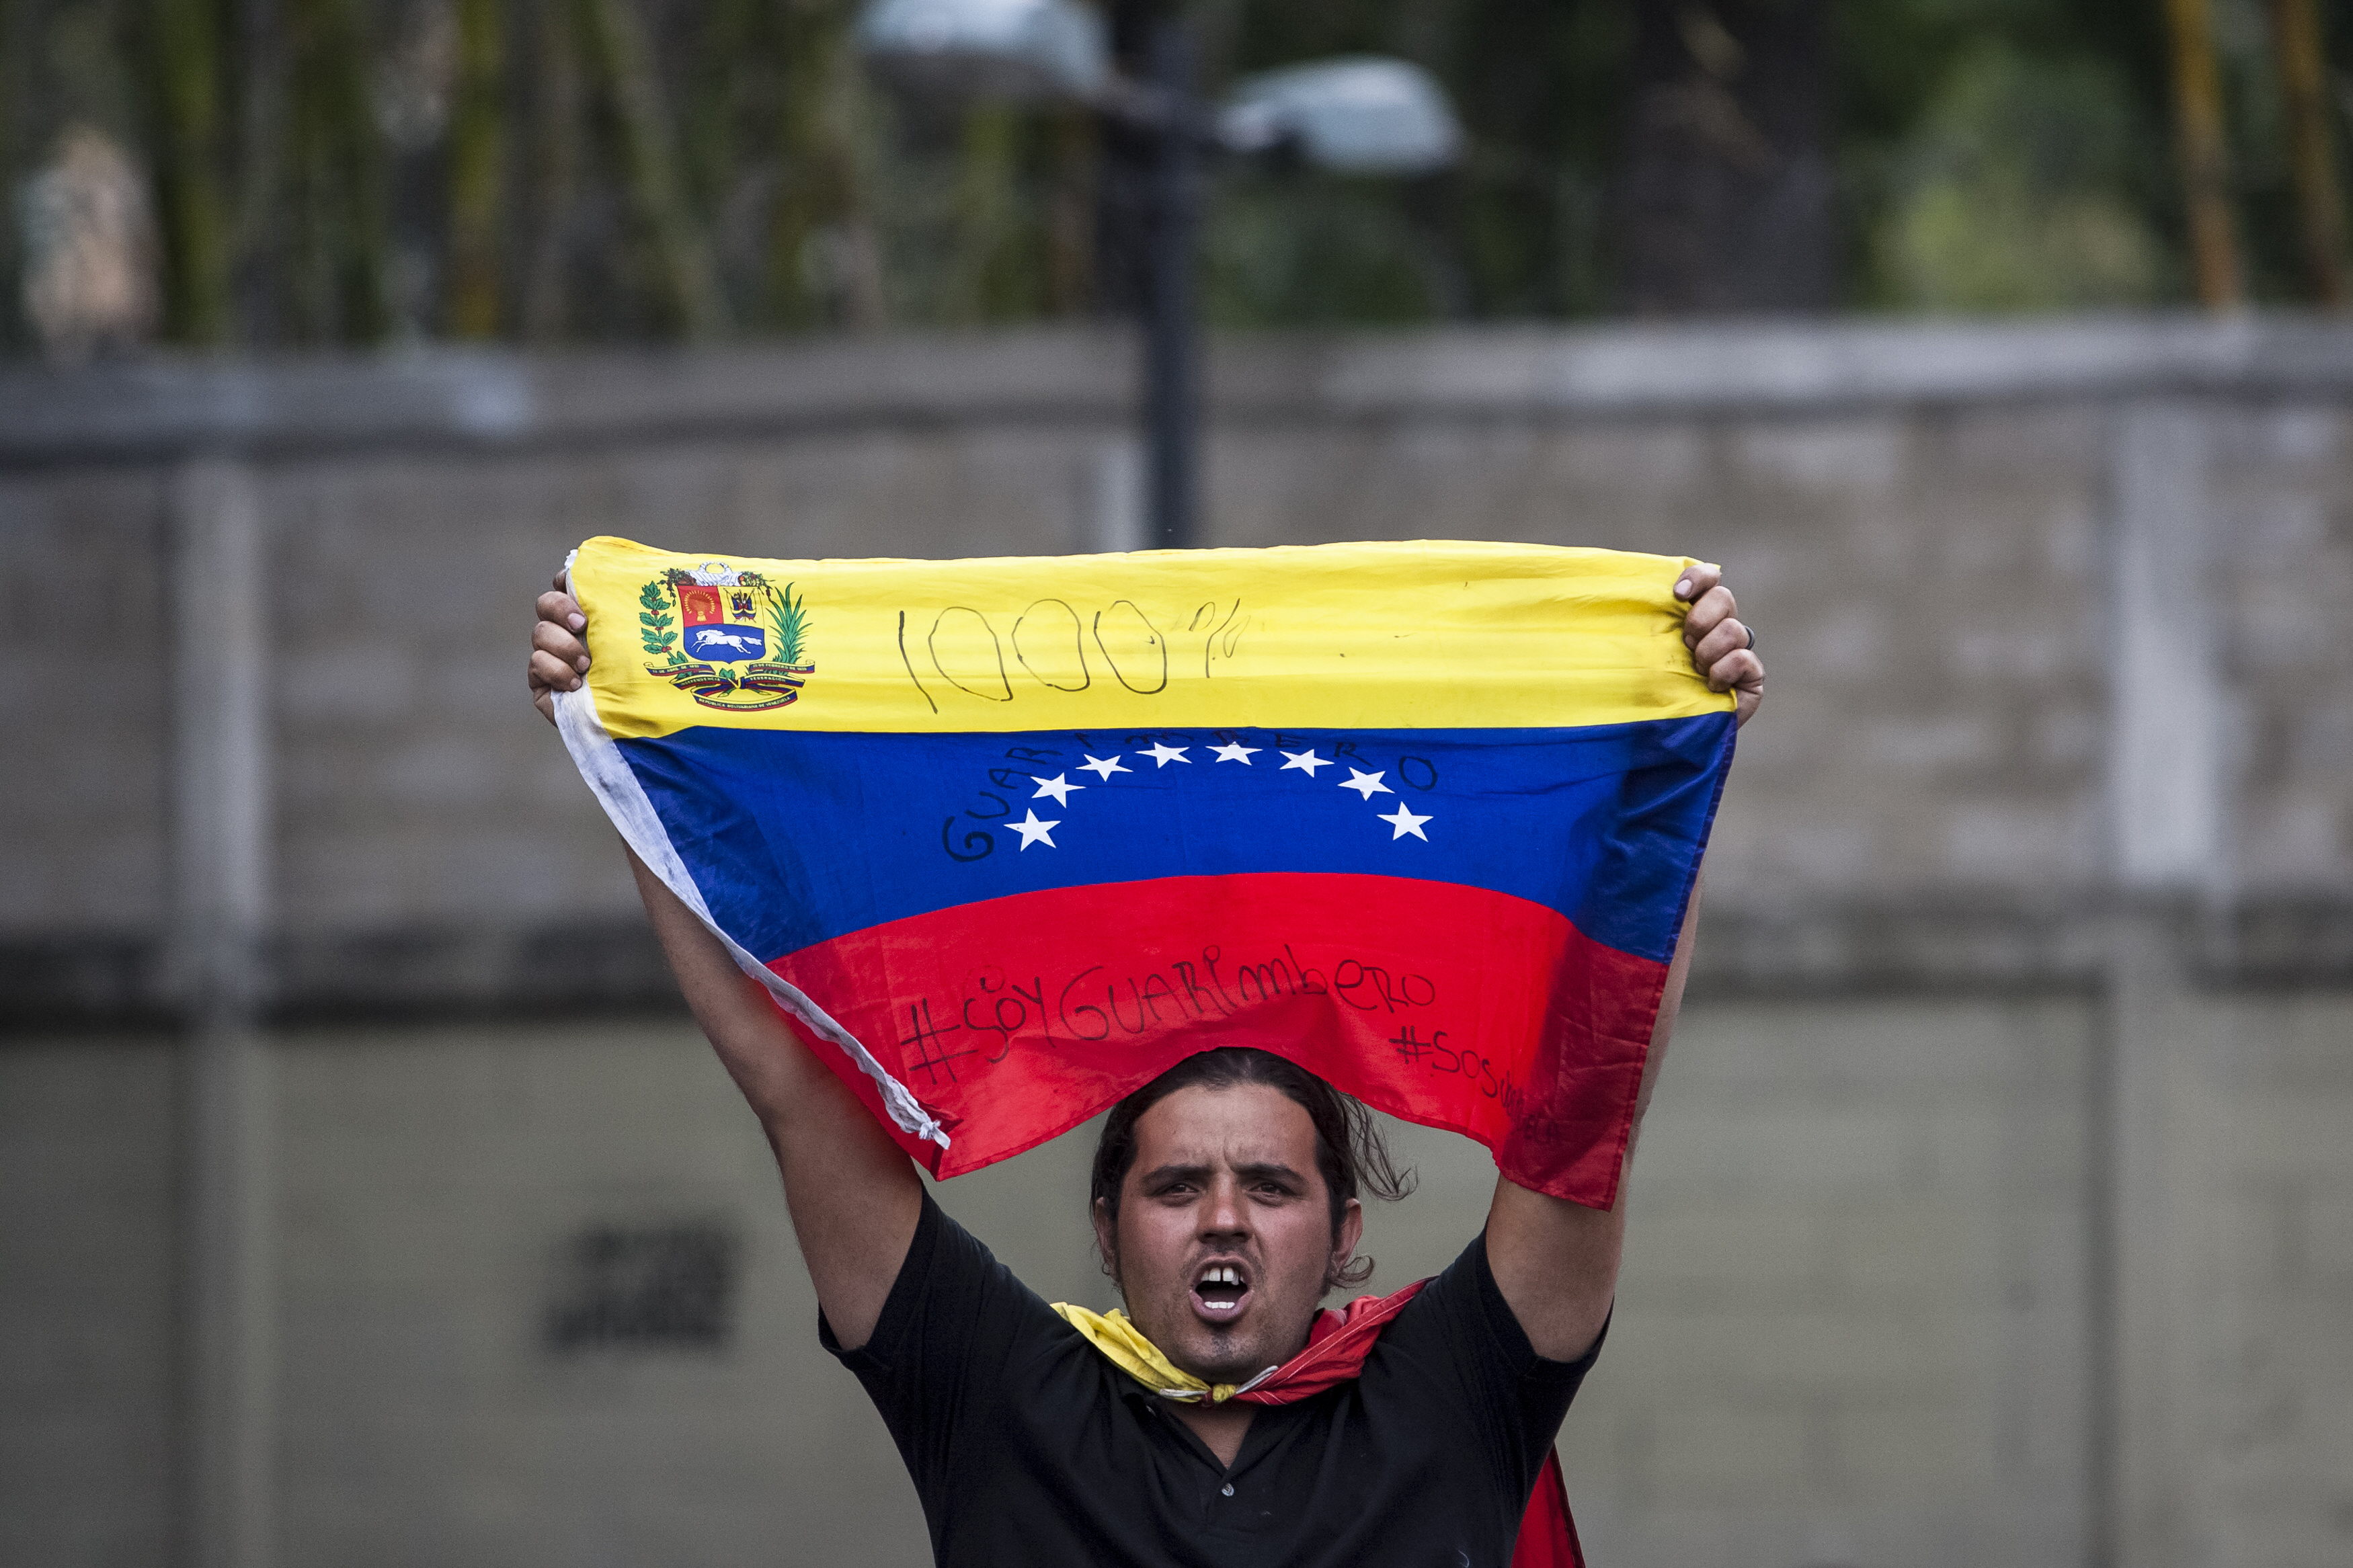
x,y
1741,673
546,675
558,658
560,608
1697,580
1728,636
552,673
1730,669
550,638
1708,612
1720,641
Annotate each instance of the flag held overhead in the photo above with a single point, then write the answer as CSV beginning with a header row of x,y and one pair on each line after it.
x,y
1010,837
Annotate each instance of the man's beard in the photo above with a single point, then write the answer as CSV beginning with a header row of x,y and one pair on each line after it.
x,y
1233,1355
1214,1352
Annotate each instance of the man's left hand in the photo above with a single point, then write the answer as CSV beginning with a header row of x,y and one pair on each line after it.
x,y
1722,647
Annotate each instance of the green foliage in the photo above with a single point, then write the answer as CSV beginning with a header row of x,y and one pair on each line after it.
x,y
333,243
2013,192
655,623
600,169
183,68
1318,251
789,621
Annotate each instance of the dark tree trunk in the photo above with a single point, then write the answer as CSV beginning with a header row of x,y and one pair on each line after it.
x,y
1723,195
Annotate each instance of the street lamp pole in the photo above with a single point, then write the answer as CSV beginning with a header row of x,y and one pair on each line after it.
x,y
1171,390
1361,114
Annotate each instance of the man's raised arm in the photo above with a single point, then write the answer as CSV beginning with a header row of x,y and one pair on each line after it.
x,y
853,1193
1556,1262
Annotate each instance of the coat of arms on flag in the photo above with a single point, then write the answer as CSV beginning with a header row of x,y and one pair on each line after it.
x,y
1422,818
727,620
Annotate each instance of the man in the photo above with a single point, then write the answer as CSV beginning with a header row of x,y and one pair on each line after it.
x,y
1226,1204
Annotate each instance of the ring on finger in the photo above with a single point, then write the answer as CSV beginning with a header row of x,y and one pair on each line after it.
x,y
1752,637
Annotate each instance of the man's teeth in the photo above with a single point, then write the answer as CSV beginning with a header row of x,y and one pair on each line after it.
x,y
1219,1292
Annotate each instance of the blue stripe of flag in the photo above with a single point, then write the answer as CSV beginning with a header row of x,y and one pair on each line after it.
x,y
795,837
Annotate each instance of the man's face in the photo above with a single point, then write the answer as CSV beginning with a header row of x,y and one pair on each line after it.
x,y
1225,1230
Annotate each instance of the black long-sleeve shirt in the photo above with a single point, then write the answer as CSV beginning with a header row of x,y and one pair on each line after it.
x,y
1028,1446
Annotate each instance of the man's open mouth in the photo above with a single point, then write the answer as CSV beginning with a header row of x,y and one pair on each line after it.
x,y
1220,1291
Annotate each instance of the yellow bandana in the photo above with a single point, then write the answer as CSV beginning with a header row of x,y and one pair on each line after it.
x,y
1113,1335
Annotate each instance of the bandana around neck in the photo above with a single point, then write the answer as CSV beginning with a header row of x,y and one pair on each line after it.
x,y
1337,1345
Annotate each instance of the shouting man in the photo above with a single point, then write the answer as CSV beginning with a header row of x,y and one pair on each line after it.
x,y
1218,1422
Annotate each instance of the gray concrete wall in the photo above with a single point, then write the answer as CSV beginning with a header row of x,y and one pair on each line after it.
x,y
1855,1326
1996,1207
88,1397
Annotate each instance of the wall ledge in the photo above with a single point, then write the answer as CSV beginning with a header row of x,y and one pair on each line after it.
x,y
165,407
112,980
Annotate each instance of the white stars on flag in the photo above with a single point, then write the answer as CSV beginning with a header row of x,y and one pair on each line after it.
x,y
1033,831
1403,820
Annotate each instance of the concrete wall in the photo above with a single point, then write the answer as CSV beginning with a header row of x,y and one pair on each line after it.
x,y
88,1397
1996,1207
1855,1326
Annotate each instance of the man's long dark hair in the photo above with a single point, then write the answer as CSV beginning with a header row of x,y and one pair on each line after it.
x,y
1349,1149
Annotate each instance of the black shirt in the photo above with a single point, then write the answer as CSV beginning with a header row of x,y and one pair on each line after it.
x,y
1027,1445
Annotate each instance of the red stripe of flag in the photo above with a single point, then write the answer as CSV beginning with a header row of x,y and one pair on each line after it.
x,y
1016,1018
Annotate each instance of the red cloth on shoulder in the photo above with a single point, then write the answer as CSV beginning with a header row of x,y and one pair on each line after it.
x,y
1337,1343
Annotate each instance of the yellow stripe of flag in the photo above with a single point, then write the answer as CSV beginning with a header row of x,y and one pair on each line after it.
x,y
1423,635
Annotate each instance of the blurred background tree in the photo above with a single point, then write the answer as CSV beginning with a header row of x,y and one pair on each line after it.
x,y
2029,170
363,171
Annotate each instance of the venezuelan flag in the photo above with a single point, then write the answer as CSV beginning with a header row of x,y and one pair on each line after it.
x,y
1008,838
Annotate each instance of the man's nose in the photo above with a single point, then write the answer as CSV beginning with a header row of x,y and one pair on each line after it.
x,y
1225,1214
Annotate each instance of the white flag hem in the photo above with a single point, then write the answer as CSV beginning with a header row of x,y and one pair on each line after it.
x,y
624,800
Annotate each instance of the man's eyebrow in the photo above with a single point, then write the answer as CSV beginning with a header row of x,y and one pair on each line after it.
x,y
1198,1173
1270,1169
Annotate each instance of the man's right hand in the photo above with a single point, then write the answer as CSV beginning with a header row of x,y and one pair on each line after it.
x,y
559,656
